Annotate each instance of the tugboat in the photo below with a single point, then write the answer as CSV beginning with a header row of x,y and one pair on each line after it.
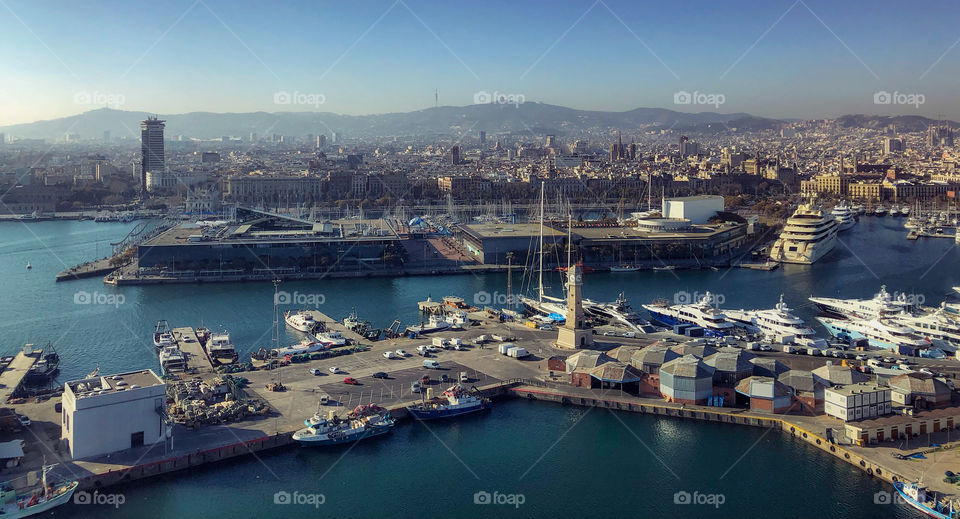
x,y
37,501
44,369
363,422
162,335
458,401
917,497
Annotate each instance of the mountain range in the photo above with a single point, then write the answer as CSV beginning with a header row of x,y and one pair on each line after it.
x,y
526,118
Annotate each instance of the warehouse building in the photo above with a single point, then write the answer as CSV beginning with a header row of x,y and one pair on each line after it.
x,y
113,413
766,394
919,390
686,380
698,209
834,375
807,389
895,427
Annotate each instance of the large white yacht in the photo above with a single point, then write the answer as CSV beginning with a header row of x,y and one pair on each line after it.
x,y
939,326
300,320
844,217
778,322
881,333
807,236
701,313
882,304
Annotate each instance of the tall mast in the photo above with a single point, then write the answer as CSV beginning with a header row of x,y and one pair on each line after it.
x,y
541,243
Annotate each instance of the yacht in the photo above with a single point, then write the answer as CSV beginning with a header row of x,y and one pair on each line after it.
x,y
881,333
905,210
807,236
702,314
857,209
220,349
880,211
882,304
300,320
364,422
894,211
844,217
778,322
938,326
172,360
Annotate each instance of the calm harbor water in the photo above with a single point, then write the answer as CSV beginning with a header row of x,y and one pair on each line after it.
x,y
603,463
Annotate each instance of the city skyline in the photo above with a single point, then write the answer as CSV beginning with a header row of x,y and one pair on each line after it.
x,y
789,60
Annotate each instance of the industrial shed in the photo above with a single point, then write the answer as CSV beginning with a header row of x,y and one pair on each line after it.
x,y
765,394
686,380
807,389
694,348
767,367
919,390
650,359
834,375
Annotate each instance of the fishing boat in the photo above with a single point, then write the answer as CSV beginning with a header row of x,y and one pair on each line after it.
x,y
300,320
434,323
162,335
453,402
917,497
37,501
45,368
172,360
220,349
624,268
363,422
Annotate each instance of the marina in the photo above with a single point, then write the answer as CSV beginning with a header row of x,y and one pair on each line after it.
x,y
498,376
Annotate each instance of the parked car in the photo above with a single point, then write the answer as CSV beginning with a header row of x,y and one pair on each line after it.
x,y
352,381
765,347
380,374
316,371
334,369
861,357
415,387
402,353
389,355
24,421
925,370
547,327
610,333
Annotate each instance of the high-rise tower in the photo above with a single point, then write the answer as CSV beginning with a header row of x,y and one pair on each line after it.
x,y
151,148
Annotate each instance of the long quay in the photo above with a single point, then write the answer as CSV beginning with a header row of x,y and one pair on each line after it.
x,y
12,376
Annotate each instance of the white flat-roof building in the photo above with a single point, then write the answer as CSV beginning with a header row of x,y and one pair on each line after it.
x,y
857,401
113,413
698,209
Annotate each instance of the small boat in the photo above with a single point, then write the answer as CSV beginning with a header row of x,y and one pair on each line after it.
x,y
363,422
305,346
38,500
455,401
300,320
29,266
331,338
162,335
664,268
203,335
917,497
624,268
434,323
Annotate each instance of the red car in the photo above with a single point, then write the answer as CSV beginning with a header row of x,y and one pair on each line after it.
x,y
352,381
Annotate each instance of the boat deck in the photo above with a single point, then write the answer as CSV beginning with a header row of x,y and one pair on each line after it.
x,y
197,360
12,375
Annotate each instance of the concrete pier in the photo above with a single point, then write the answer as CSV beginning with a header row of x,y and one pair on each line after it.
x,y
11,379
198,363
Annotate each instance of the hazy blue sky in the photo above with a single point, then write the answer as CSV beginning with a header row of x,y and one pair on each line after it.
x,y
773,58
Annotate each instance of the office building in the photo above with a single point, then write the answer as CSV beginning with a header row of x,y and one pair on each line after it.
x,y
151,148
